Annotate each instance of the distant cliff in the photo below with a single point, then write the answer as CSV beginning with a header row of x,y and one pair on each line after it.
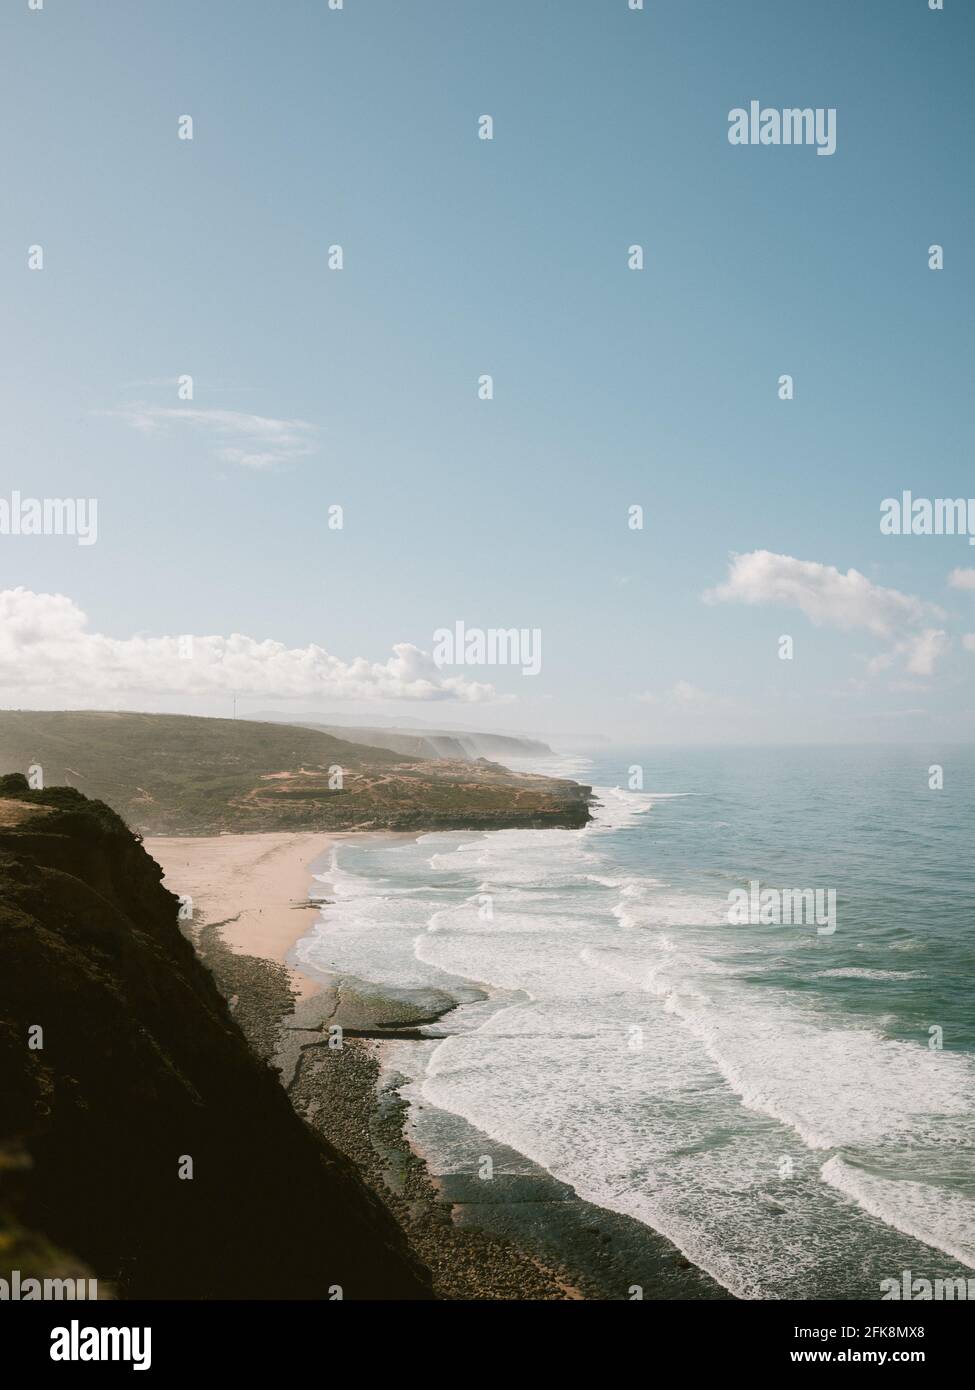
x,y
427,743
137,1067
176,774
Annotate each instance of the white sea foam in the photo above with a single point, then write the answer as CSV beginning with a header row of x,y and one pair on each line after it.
x,y
833,1084
944,1220
640,908
630,1053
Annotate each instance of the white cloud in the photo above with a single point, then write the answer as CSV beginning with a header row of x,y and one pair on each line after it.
x,y
252,441
968,641
923,650
830,598
686,694
919,651
961,579
45,645
681,693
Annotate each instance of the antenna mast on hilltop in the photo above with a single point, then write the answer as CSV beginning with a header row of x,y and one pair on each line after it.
x,y
235,704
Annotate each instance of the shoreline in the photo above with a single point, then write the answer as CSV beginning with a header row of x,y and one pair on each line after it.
x,y
525,1236
257,888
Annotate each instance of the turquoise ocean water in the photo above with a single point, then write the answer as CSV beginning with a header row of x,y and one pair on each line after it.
x,y
794,1109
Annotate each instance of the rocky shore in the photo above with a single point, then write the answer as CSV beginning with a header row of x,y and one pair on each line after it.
x,y
521,1236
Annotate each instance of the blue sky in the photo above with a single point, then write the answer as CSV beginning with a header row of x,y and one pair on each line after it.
x,y
612,387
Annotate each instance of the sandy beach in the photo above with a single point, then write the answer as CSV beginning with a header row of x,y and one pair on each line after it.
x,y
257,886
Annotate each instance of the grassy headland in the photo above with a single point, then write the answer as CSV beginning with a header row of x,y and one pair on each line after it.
x,y
182,775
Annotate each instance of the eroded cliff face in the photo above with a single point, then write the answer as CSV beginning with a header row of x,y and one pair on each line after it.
x,y
141,1067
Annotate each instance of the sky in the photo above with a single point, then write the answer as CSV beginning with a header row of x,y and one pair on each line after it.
x,y
315,387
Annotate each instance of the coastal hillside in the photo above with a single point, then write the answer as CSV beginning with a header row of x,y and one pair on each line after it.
x,y
179,774
435,743
422,741
140,1138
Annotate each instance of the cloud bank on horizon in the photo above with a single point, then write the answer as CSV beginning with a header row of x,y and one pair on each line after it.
x,y
45,645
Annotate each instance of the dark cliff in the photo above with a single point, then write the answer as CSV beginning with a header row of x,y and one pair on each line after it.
x,y
142,1064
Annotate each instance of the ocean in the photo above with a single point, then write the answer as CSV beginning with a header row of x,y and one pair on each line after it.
x,y
792,1107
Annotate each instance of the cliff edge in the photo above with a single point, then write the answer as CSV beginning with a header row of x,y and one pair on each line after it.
x,y
124,1071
